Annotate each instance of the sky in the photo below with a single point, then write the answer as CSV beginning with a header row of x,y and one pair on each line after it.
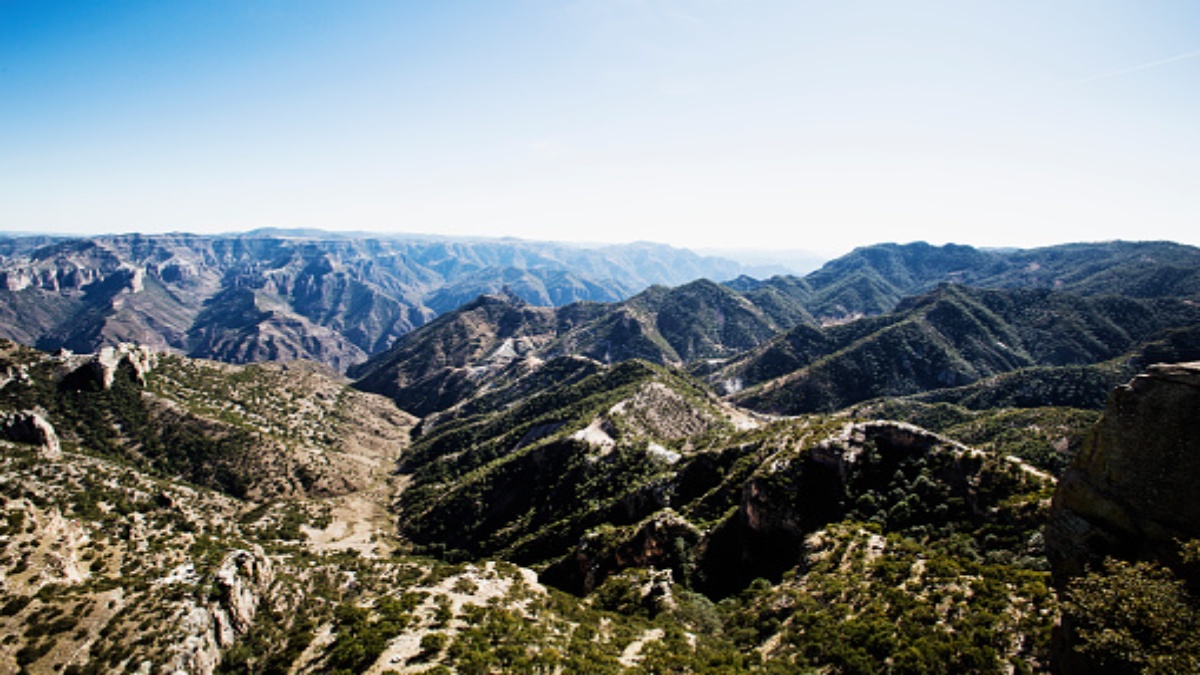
x,y
761,124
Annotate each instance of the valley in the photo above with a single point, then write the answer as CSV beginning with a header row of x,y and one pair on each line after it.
x,y
295,454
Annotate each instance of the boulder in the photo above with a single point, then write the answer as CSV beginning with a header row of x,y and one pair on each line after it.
x,y
30,427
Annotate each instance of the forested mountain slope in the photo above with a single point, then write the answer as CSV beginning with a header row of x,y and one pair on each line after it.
x,y
465,351
690,535
951,337
636,487
874,279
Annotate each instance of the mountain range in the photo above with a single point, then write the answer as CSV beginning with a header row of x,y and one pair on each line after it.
x,y
279,296
340,454
202,517
759,342
341,299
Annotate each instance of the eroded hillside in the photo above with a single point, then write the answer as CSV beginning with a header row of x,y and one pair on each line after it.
x,y
690,534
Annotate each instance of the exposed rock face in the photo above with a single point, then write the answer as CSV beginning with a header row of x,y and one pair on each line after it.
x,y
30,427
828,469
106,362
240,584
241,579
1132,491
102,366
651,544
793,497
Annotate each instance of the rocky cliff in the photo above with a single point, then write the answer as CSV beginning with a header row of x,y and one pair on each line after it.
x,y
1131,492
894,474
1121,514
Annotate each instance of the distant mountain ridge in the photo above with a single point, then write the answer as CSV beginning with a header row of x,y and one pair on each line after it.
x,y
951,337
342,299
281,295
483,343
874,279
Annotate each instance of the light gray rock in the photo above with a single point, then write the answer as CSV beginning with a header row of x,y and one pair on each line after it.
x,y
102,366
106,362
208,627
241,579
30,427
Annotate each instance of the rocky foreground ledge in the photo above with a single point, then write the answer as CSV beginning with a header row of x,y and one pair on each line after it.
x,y
1131,495
1134,490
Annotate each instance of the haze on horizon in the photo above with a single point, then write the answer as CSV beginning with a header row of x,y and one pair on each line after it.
x,y
702,123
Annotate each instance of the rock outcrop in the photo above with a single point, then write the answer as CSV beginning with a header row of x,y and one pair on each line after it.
x,y
793,496
108,359
240,581
660,542
1131,493
101,367
209,627
30,427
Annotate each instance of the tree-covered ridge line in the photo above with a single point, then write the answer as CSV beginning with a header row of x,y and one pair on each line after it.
x,y
979,348
1066,349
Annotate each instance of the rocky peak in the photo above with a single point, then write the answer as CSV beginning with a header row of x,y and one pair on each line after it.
x,y
508,295
1131,492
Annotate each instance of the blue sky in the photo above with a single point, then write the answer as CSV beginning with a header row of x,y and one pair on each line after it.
x,y
790,124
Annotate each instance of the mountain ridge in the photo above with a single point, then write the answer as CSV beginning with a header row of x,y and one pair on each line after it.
x,y
951,337
253,297
341,299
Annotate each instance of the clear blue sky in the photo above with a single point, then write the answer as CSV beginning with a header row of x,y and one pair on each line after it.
x,y
797,124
